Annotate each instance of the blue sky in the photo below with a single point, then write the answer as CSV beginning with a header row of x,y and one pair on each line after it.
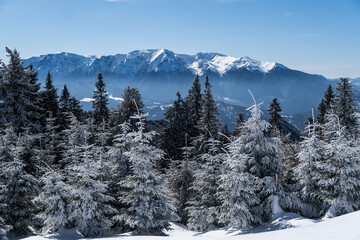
x,y
316,36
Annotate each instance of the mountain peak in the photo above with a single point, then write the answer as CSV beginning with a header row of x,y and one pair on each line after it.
x,y
159,60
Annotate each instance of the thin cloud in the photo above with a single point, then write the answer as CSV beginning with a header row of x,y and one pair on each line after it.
x,y
229,1
308,35
120,0
288,14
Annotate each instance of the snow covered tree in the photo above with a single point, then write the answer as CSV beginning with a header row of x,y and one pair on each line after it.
x,y
204,206
53,198
264,163
173,138
307,171
345,104
148,208
21,188
50,141
91,210
237,190
193,101
17,94
339,182
73,137
101,111
36,107
180,182
208,124
128,107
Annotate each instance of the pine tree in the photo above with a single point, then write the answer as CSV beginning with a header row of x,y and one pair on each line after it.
x,y
50,99
21,188
322,109
73,137
101,111
237,190
208,124
329,97
180,182
204,206
345,104
193,101
339,181
275,118
173,138
91,210
35,98
50,141
17,95
265,165
239,125
149,210
307,171
54,197
130,105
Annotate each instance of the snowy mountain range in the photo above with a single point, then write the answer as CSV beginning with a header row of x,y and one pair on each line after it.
x,y
160,73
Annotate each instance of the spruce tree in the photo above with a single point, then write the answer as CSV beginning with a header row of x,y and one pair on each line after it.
x,y
345,104
265,165
129,106
54,198
193,101
275,118
148,208
101,111
329,97
340,171
180,183
208,124
50,99
18,89
237,189
20,190
91,210
173,138
307,171
239,125
322,109
204,206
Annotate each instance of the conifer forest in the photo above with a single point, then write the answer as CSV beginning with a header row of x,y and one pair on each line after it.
x,y
109,171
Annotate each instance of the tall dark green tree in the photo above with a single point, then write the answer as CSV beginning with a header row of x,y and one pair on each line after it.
x,y
345,104
329,96
50,99
208,124
101,110
239,125
322,109
326,103
178,126
275,117
193,101
35,97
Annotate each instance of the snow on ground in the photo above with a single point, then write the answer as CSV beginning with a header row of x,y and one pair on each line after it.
x,y
288,226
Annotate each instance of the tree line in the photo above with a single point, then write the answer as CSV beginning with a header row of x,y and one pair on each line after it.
x,y
108,171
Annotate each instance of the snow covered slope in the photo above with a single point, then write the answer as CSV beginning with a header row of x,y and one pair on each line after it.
x,y
146,61
288,226
160,73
